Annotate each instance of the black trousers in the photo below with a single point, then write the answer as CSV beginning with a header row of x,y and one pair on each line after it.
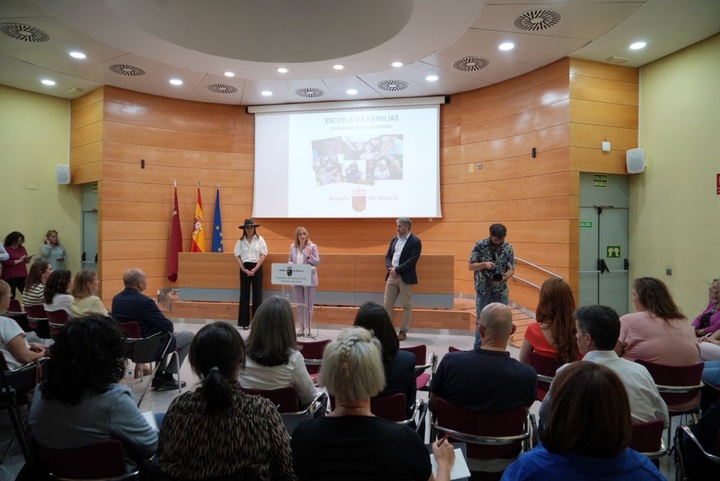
x,y
16,283
246,283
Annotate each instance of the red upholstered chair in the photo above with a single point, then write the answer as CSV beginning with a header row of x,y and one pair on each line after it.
x,y
546,367
56,320
489,436
15,312
678,385
143,350
392,408
312,352
287,402
14,306
104,460
647,438
454,349
421,365
38,320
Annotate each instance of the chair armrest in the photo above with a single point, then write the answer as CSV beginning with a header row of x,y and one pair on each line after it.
x,y
691,435
544,378
679,389
320,402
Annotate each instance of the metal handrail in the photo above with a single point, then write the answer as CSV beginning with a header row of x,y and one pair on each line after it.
x,y
518,278
537,267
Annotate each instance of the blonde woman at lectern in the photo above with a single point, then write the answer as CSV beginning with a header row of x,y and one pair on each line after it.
x,y
304,251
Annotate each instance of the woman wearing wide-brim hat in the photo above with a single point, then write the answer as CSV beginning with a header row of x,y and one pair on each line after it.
x,y
250,252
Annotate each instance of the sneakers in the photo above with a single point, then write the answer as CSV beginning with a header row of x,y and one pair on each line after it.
x,y
166,382
402,335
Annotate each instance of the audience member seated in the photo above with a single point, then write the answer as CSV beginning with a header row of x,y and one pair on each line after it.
x,y
13,342
132,305
553,335
351,443
658,332
79,401
598,328
399,365
708,322
710,347
217,430
56,295
273,360
587,433
33,294
85,302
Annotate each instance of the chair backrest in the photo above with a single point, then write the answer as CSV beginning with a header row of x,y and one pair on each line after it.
x,y
312,351
647,438
14,306
141,350
677,384
391,408
504,433
453,349
20,381
284,398
420,352
545,367
36,312
131,329
102,460
56,320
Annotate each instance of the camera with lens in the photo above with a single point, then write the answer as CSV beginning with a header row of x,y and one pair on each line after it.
x,y
495,275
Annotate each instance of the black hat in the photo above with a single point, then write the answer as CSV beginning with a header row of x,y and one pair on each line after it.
x,y
248,223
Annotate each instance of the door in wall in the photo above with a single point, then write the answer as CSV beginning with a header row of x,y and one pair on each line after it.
x,y
89,226
604,256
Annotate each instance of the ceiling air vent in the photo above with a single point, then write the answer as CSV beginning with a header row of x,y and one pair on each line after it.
x,y
393,85
309,93
126,70
222,89
27,33
471,64
534,20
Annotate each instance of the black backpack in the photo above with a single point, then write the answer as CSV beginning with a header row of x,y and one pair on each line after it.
x,y
692,464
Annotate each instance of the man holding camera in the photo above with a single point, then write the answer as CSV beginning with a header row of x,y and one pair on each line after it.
x,y
493,262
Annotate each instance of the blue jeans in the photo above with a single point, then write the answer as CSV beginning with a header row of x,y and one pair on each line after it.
x,y
480,302
711,373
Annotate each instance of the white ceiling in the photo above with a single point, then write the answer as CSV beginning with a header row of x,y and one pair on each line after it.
x,y
197,41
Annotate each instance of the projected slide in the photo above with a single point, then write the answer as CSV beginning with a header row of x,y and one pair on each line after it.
x,y
369,163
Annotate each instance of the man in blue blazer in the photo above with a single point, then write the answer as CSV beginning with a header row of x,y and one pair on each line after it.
x,y
132,305
400,260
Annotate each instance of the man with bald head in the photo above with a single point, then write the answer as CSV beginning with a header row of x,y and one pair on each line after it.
x,y
486,379
132,305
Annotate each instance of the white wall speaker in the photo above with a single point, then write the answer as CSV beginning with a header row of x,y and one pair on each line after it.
x,y
62,174
635,161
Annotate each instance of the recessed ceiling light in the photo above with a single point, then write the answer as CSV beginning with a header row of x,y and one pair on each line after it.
x,y
637,45
266,93
352,92
176,81
78,55
282,70
506,46
48,82
431,78
337,66
397,64
229,74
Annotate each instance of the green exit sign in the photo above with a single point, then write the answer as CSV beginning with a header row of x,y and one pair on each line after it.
x,y
613,252
600,180
586,224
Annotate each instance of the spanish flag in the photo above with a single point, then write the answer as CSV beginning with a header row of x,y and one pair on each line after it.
x,y
198,235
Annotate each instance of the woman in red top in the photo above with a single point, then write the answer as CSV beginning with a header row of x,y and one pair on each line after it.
x,y
553,335
14,270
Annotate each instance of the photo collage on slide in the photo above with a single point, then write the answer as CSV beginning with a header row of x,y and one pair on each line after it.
x,y
356,160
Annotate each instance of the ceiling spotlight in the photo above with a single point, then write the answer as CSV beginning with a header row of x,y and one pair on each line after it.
x,y
48,82
229,74
431,78
266,93
506,46
637,45
176,81
337,66
282,70
78,55
397,64
351,92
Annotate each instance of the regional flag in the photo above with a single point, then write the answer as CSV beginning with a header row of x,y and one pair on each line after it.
x,y
198,235
217,245
175,242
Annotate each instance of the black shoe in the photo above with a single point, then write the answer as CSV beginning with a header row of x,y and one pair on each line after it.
x,y
162,384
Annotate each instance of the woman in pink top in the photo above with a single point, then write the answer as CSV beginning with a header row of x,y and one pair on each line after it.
x,y
658,332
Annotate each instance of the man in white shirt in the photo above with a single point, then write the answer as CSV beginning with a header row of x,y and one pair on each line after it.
x,y
598,329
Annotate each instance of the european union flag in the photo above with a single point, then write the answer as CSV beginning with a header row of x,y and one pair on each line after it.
x,y
217,245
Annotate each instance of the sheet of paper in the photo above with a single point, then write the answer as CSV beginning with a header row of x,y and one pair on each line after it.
x,y
460,468
150,418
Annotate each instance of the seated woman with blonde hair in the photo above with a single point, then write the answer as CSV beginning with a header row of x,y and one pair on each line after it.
x,y
587,434
352,442
85,302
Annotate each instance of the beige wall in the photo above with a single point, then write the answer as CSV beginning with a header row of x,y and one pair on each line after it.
x,y
34,138
674,209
